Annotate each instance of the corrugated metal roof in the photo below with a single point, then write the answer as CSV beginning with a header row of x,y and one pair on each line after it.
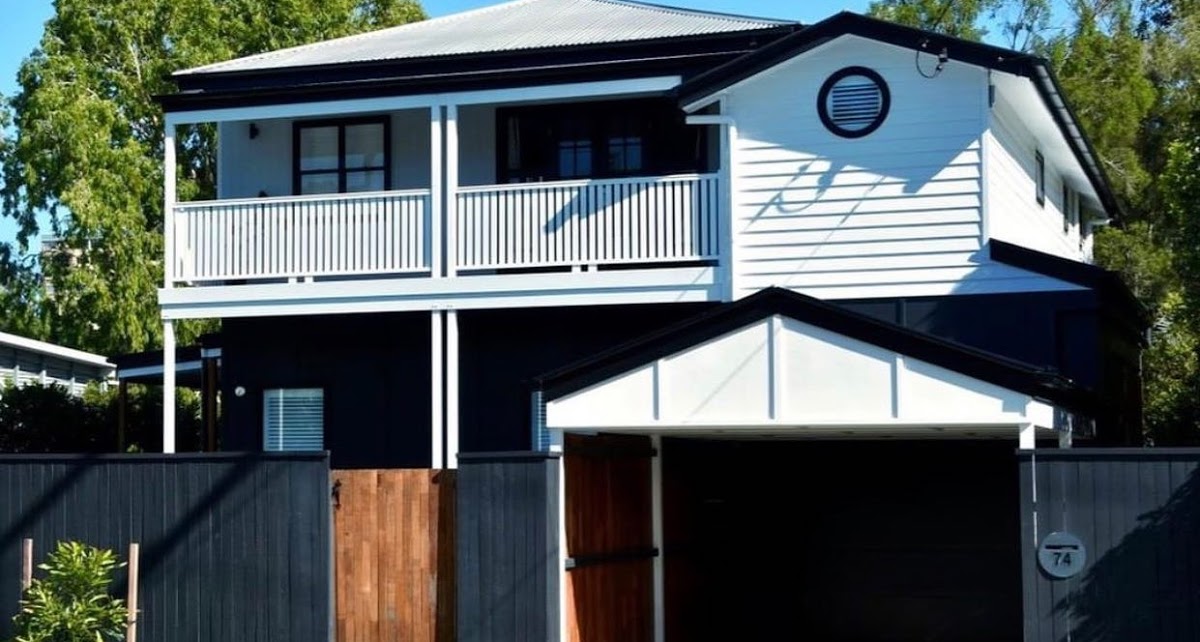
x,y
512,26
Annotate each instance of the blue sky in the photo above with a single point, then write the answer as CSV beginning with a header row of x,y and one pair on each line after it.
x,y
21,30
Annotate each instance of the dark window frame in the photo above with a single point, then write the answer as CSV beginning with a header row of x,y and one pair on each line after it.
x,y
1066,207
655,152
341,171
1039,179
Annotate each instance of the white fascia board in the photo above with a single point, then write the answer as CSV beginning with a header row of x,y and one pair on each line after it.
x,y
467,292
709,119
1005,428
183,366
875,423
54,350
633,86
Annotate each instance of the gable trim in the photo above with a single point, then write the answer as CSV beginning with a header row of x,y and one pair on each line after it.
x,y
1036,382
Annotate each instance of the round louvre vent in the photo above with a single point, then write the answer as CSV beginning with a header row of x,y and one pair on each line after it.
x,y
853,102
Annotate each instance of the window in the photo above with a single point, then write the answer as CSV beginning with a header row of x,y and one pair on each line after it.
x,y
294,419
853,102
597,140
1040,177
1070,205
342,156
1066,208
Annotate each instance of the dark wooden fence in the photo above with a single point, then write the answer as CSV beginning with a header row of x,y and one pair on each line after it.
x,y
234,547
1137,513
508,548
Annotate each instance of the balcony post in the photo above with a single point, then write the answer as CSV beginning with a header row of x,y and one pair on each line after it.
x,y
451,389
168,220
436,187
451,189
437,457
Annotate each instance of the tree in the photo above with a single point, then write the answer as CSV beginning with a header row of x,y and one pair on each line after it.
x,y
87,149
1103,71
959,18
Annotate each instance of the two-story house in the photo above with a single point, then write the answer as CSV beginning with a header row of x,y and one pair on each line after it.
x,y
817,281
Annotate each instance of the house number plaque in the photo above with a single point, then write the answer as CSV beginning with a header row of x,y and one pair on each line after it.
x,y
1062,555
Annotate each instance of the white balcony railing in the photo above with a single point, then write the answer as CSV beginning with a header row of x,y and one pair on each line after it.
x,y
528,225
591,222
303,236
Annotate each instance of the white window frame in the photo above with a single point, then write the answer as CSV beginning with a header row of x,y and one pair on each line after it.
x,y
278,434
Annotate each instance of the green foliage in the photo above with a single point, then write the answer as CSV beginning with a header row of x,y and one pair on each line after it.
x,y
72,602
47,419
86,147
1103,72
958,18
1131,79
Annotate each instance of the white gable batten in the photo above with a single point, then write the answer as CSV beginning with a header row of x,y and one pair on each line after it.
x,y
782,376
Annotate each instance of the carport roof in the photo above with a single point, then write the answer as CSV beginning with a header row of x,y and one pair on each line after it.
x,y
1040,383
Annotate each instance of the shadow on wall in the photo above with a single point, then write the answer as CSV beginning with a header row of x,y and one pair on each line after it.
x,y
822,201
1147,586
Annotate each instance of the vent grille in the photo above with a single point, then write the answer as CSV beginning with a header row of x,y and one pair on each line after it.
x,y
294,419
853,102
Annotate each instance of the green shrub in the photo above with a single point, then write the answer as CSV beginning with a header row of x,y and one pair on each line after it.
x,y
72,602
48,419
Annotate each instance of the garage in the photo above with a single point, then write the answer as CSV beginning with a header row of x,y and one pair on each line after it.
x,y
783,469
772,539
826,540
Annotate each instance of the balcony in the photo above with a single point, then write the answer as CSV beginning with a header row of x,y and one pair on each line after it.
x,y
552,226
474,206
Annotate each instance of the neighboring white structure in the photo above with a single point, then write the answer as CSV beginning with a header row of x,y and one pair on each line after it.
x,y
24,361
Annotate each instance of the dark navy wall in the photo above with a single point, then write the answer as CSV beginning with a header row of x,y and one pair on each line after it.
x,y
374,369
503,349
1088,339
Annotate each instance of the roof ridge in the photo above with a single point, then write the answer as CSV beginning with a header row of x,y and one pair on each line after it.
x,y
321,44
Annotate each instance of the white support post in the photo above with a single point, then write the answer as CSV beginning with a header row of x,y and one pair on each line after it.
x,y
729,243
169,196
557,440
451,389
1028,437
656,529
437,458
168,388
436,188
450,205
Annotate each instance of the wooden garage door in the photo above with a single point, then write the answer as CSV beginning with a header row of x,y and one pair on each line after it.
x,y
609,539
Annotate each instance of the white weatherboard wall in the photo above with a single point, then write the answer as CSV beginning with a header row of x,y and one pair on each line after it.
x,y
898,212
782,375
1012,190
246,167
